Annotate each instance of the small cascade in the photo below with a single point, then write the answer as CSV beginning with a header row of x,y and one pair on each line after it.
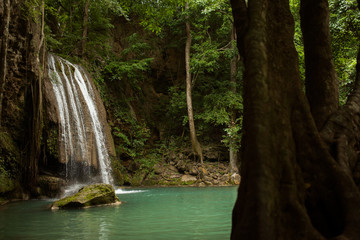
x,y
82,143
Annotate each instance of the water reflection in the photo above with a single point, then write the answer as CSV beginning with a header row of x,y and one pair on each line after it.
x,y
159,213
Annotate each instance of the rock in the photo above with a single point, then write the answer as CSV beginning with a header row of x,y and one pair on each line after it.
x,y
51,186
193,170
225,178
158,169
235,178
88,196
203,172
173,169
216,182
181,166
208,178
175,176
188,179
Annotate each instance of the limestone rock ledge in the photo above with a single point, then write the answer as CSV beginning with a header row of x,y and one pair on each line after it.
x,y
89,196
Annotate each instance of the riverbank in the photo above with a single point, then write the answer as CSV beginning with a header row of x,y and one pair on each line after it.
x,y
182,173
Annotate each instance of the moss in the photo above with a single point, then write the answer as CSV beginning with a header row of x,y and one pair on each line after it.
x,y
96,194
188,183
137,178
6,183
9,163
52,143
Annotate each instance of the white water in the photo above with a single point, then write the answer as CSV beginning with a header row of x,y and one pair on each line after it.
x,y
124,191
81,134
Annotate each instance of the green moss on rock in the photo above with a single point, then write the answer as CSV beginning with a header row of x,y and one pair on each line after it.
x,y
88,196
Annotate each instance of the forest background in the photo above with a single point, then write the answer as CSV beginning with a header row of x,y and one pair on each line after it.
x,y
136,52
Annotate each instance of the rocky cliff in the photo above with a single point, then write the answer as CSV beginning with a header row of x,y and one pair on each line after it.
x,y
20,99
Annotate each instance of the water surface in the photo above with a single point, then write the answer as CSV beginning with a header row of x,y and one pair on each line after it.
x,y
153,213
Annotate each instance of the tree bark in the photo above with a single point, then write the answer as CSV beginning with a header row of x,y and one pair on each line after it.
x,y
85,28
239,10
292,187
194,142
322,87
4,50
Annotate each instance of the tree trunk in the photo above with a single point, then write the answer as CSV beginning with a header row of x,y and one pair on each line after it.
x,y
85,28
233,151
292,187
4,48
321,81
194,142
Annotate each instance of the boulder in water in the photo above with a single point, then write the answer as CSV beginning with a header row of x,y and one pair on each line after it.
x,y
89,196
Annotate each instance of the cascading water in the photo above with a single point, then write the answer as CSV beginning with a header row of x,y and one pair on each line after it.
x,y
81,136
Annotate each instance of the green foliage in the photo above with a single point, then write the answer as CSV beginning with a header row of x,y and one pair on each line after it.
x,y
298,39
232,138
214,99
131,144
132,66
132,70
64,26
52,143
153,14
344,25
33,9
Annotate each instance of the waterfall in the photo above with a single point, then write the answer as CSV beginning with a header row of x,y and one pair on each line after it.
x,y
82,141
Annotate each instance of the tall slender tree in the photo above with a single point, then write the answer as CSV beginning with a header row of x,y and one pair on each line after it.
x,y
194,142
233,151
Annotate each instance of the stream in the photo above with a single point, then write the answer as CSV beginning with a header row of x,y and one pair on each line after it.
x,y
147,213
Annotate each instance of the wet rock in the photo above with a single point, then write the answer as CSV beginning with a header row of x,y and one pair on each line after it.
x,y
88,196
51,186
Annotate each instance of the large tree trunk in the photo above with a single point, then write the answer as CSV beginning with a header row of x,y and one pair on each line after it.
x,y
4,48
194,142
321,81
292,187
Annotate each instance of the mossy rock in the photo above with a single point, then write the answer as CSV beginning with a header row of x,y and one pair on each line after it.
x,y
89,196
